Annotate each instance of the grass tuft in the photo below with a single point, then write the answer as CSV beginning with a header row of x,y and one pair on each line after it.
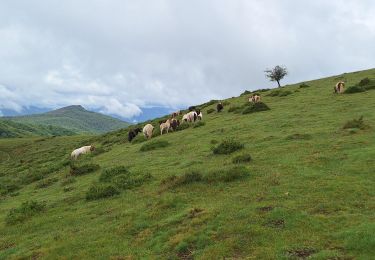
x,y
24,212
242,158
211,110
101,190
255,107
228,146
227,175
77,170
356,123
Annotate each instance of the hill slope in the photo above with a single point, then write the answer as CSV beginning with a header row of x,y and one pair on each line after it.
x,y
74,118
9,128
307,191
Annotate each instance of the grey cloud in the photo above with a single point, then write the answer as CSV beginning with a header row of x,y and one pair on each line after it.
x,y
119,56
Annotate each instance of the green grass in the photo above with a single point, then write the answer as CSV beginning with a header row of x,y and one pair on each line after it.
x,y
308,190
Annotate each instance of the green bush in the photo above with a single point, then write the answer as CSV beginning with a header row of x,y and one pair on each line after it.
x,y
77,170
242,158
139,139
184,179
227,175
355,89
364,82
97,151
211,110
68,180
304,85
246,92
255,107
235,109
227,146
355,123
32,176
101,190
8,186
154,145
182,126
199,124
108,174
24,212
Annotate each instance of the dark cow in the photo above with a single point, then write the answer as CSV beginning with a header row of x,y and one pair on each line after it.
x,y
175,123
133,133
219,107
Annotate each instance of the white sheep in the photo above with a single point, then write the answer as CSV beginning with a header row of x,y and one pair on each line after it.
x,y
339,88
82,150
200,115
147,131
254,99
190,117
164,126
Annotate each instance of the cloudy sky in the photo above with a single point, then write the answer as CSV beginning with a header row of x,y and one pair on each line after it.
x,y
124,56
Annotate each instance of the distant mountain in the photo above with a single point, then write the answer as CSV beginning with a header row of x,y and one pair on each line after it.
x,y
9,129
74,118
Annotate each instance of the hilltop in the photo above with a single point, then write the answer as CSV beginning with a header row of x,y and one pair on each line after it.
x,y
74,118
291,182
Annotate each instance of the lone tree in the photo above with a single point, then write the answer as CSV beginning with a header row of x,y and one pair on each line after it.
x,y
276,74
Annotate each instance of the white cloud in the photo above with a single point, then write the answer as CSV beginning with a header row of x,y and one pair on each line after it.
x,y
130,54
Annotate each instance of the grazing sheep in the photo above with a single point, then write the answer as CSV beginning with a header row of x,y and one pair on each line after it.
x,y
175,123
133,133
82,150
219,107
339,88
190,117
254,99
164,126
147,131
162,121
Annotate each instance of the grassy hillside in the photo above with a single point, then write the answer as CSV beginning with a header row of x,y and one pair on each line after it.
x,y
9,129
298,183
74,118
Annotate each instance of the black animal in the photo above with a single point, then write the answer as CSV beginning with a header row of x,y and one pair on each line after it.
x,y
175,123
162,121
192,108
219,107
133,133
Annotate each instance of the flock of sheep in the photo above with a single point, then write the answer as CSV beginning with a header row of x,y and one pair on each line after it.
x,y
172,122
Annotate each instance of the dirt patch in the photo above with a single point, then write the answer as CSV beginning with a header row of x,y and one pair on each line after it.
x,y
276,223
301,253
265,209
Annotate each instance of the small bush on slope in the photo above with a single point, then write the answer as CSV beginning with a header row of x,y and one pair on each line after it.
x,y
101,190
154,145
24,212
199,124
280,93
304,85
355,123
255,107
77,170
211,110
227,146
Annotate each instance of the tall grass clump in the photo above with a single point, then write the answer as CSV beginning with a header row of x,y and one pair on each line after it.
x,y
242,158
227,146
77,170
304,85
108,174
24,212
199,124
211,110
279,93
255,107
101,190
154,145
227,175
184,179
355,123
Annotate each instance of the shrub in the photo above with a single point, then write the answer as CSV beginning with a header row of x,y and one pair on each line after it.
x,y
243,158
8,186
255,107
68,180
31,177
154,145
199,124
355,123
211,110
246,92
184,179
76,170
108,174
98,150
25,211
304,85
354,89
227,146
225,103
364,82
45,183
227,175
298,137
139,139
182,126
101,190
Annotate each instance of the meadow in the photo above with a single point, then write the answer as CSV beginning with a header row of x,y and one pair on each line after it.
x,y
292,182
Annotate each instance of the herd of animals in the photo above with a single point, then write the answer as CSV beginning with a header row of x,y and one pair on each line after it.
x,y
172,123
